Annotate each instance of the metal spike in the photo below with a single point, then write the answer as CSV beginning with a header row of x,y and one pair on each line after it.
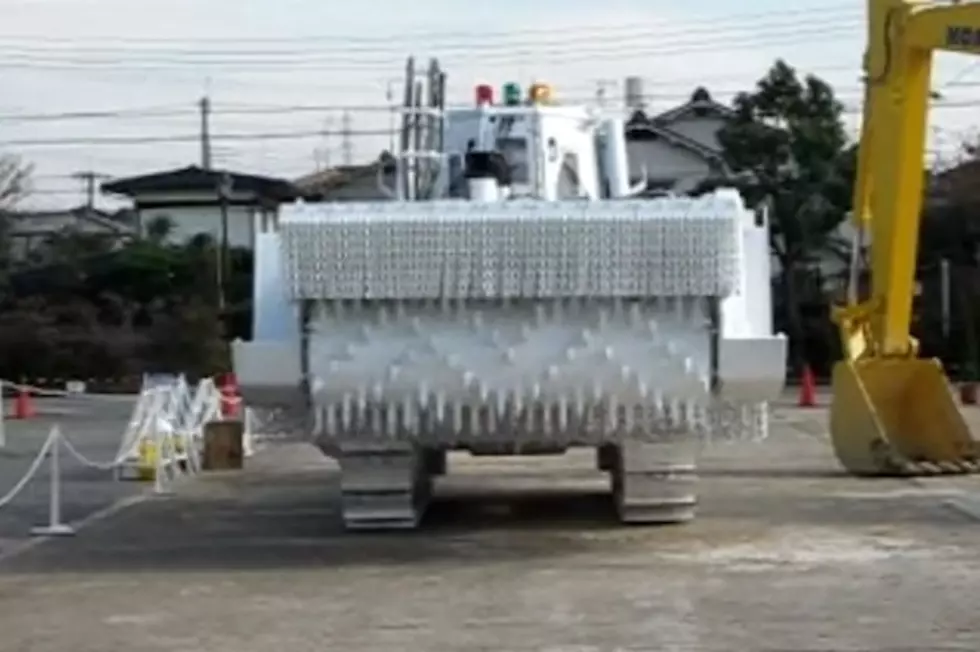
x,y
345,412
474,420
457,416
441,407
391,424
331,419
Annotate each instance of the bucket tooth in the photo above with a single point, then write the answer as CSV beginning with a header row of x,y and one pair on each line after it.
x,y
967,466
898,417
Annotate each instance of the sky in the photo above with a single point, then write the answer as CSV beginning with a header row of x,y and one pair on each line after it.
x,y
113,86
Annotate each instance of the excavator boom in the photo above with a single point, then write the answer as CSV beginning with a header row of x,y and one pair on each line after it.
x,y
892,412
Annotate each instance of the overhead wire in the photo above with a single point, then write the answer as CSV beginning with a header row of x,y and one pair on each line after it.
x,y
692,33
403,37
218,136
696,36
566,54
670,41
233,108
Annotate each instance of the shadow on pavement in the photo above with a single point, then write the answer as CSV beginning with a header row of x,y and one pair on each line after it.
x,y
771,473
268,520
295,522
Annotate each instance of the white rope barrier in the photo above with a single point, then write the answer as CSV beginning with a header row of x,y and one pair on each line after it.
x,y
55,526
167,423
31,470
3,426
167,473
85,461
173,406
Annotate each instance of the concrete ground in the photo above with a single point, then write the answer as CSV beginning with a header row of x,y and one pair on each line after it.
x,y
787,554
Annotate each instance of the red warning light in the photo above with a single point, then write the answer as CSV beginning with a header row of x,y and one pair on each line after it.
x,y
484,94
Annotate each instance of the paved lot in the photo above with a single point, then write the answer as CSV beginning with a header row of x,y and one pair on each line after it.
x,y
787,554
95,427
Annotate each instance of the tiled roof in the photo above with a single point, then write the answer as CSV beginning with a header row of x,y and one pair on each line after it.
x,y
194,178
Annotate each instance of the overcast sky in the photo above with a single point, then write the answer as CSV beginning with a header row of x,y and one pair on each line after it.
x,y
274,66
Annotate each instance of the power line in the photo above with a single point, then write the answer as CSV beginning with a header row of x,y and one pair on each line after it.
x,y
148,112
566,53
273,109
286,135
177,138
225,108
182,109
277,109
563,41
429,36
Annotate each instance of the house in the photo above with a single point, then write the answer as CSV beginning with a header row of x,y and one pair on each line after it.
x,y
349,182
957,183
678,149
28,230
198,201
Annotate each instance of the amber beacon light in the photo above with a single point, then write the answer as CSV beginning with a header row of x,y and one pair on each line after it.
x,y
540,93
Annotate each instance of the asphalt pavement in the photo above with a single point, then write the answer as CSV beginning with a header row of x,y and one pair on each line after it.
x,y
787,553
95,426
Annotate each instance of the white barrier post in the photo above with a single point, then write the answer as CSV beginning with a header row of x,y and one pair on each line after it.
x,y
159,487
248,422
54,527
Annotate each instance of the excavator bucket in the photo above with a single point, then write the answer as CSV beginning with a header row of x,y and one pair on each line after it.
x,y
898,417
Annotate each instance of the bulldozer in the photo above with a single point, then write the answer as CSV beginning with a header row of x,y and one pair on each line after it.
x,y
511,293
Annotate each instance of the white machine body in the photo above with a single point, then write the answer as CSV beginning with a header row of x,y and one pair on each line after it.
x,y
528,302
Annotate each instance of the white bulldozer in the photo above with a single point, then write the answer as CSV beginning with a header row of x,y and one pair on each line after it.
x,y
514,297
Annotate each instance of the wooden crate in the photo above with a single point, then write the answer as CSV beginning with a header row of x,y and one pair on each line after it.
x,y
223,445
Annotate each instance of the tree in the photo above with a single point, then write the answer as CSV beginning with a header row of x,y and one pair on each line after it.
x,y
14,185
950,235
787,146
186,336
160,228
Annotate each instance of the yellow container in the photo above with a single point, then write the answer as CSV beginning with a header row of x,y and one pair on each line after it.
x,y
146,463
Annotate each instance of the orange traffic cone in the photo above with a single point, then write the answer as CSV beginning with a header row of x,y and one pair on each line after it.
x,y
808,388
23,405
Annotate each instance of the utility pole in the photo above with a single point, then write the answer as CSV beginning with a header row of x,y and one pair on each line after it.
x,y
205,107
347,143
88,177
393,115
225,187
601,86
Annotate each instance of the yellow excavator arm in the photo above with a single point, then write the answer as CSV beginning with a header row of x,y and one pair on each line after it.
x,y
892,412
